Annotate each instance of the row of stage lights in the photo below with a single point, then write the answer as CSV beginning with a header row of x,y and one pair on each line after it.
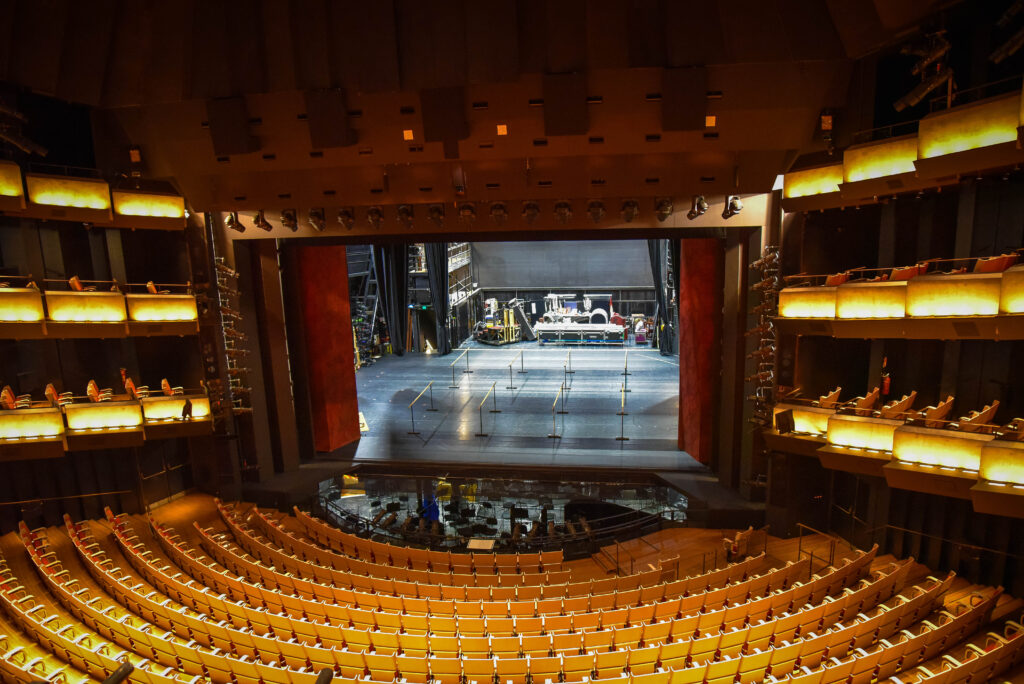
x,y
466,212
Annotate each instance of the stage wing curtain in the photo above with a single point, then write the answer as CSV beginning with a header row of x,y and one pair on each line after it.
x,y
666,335
437,277
392,265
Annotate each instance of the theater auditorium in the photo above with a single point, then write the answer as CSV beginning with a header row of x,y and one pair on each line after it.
x,y
511,341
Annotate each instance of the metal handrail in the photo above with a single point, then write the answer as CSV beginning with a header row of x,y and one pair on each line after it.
x,y
961,544
62,498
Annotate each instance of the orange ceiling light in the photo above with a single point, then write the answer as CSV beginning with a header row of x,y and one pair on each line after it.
x,y
968,294
146,204
75,193
29,424
85,307
862,432
407,134
879,159
808,182
107,415
146,308
21,305
807,302
981,124
502,129
710,121
872,300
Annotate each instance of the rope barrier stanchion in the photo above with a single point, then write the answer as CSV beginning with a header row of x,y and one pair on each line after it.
x,y
622,409
466,354
568,360
480,410
412,412
554,425
626,374
563,410
511,384
622,420
455,384
625,366
430,388
522,364
494,399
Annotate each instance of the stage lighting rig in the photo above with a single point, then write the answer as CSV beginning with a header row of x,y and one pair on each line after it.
x,y
467,212
347,218
630,210
406,214
663,209
563,212
289,220
232,222
435,213
932,60
499,213
317,220
260,221
531,210
596,210
733,206
374,216
698,206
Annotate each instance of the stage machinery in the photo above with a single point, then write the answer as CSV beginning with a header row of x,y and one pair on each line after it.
x,y
504,323
567,320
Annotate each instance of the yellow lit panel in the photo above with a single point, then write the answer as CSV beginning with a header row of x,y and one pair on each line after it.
x,y
24,424
105,415
875,160
127,203
165,307
10,180
1003,462
819,181
58,191
807,302
21,305
810,420
862,432
1011,296
985,123
968,294
157,409
942,449
85,307
872,300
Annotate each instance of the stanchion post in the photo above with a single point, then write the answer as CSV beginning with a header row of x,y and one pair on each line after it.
x,y
430,387
625,365
480,411
466,354
622,420
494,399
522,364
561,393
568,358
412,419
625,375
412,412
622,403
511,385
554,425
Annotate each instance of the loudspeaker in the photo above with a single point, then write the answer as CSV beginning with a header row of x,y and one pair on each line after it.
x,y
228,119
784,422
684,98
327,115
565,104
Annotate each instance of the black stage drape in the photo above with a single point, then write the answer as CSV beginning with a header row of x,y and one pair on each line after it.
x,y
437,278
392,265
666,336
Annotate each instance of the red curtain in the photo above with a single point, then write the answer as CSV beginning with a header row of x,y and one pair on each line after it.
x,y
700,308
330,352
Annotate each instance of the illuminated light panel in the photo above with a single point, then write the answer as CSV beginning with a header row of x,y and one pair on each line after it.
x,y
876,160
21,305
862,432
1011,294
985,123
10,180
502,129
157,308
710,121
968,294
1003,462
807,302
106,415
407,134
939,448
58,191
21,424
85,307
128,203
819,181
872,300
810,420
156,409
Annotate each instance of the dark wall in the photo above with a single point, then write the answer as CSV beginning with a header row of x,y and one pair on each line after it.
x,y
591,264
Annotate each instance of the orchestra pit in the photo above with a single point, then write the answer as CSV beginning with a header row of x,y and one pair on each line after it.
x,y
512,342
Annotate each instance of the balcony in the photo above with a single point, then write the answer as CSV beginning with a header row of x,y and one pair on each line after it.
x,y
36,432
90,309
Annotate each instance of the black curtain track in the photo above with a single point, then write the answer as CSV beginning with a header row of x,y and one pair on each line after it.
x,y
437,277
392,265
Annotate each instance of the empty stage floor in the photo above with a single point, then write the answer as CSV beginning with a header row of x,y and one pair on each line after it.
x,y
518,435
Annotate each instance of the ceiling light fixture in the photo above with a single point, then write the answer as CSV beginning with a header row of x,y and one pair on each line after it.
x,y
467,212
232,222
563,212
733,206
630,210
698,205
318,220
374,216
261,222
347,218
499,213
288,220
531,210
596,210
911,99
406,214
663,209
436,214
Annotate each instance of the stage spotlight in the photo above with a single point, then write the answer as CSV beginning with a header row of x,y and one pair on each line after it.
x,y
935,51
374,216
596,210
912,98
405,214
467,212
436,214
733,206
288,220
630,210
317,219
1010,47
531,210
698,205
663,209
347,218
261,222
499,213
563,212
232,222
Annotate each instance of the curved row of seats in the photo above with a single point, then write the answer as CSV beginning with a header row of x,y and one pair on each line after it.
x,y
692,655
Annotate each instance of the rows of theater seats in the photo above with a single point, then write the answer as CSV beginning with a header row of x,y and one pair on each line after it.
x,y
266,600
936,416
